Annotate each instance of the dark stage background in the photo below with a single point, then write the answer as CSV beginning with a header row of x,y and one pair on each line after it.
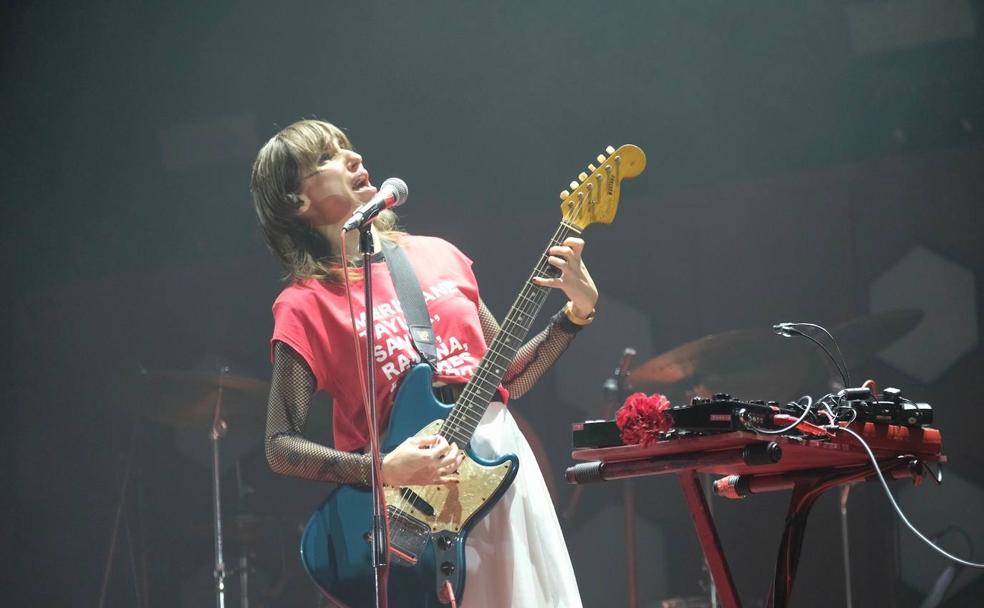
x,y
798,152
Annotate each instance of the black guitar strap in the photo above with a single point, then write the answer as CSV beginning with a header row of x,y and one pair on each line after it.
x,y
412,301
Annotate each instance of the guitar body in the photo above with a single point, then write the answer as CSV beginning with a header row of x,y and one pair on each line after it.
x,y
428,524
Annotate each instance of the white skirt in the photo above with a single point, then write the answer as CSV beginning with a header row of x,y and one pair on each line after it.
x,y
516,555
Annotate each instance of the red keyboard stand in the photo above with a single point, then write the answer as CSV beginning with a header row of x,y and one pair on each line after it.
x,y
807,467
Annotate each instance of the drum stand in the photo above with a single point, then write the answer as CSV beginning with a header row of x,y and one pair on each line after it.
x,y
216,434
244,546
218,431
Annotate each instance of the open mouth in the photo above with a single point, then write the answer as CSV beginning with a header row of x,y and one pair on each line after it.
x,y
361,181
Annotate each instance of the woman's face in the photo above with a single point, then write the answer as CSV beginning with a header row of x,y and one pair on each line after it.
x,y
335,188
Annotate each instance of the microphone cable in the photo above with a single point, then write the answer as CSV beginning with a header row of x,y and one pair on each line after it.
x,y
788,330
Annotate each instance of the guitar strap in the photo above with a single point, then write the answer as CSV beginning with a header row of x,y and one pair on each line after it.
x,y
412,301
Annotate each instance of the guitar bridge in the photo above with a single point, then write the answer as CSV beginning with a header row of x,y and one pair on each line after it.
x,y
408,536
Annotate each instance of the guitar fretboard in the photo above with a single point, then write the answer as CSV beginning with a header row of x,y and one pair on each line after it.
x,y
484,384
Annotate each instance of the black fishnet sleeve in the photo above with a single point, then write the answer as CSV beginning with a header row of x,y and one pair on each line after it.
x,y
288,450
536,356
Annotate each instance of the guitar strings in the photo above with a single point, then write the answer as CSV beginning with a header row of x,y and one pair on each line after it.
x,y
460,413
427,493
462,417
529,306
483,373
536,302
612,165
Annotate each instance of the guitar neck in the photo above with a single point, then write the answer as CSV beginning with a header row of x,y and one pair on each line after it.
x,y
484,384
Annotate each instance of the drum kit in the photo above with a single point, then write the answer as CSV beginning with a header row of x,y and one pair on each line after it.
x,y
741,362
222,403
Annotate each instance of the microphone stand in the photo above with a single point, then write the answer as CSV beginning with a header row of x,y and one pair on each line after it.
x,y
615,390
380,538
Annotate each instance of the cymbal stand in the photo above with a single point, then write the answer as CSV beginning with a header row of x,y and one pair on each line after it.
x,y
218,431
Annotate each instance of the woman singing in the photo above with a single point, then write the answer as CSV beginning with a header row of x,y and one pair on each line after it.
x,y
306,181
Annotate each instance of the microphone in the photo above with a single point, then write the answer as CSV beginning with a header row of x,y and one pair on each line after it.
x,y
392,193
622,371
623,367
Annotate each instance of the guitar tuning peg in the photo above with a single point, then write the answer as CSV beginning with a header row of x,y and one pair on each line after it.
x,y
564,195
574,185
601,158
582,176
610,150
592,168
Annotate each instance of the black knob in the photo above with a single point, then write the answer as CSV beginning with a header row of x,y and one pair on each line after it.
x,y
762,453
443,543
447,568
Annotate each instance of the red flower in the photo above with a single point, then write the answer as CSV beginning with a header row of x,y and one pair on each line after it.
x,y
641,419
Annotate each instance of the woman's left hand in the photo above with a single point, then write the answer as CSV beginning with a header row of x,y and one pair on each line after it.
x,y
574,279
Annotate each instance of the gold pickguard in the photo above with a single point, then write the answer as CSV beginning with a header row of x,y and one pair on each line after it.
x,y
454,504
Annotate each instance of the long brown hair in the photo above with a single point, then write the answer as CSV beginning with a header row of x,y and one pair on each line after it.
x,y
275,182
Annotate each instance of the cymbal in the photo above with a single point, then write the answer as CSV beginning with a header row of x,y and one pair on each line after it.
x,y
862,338
187,400
747,363
755,363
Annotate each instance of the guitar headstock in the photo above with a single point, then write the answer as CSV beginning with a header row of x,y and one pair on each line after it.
x,y
593,198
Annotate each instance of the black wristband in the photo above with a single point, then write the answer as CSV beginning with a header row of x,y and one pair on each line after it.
x,y
561,322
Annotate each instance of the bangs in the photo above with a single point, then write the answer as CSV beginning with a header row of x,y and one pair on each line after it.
x,y
307,140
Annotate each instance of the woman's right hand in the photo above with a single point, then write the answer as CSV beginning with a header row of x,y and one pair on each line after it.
x,y
422,460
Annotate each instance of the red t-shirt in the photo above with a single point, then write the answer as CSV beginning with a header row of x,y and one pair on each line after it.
x,y
312,317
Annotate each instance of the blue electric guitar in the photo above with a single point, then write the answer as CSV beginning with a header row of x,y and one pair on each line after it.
x,y
428,524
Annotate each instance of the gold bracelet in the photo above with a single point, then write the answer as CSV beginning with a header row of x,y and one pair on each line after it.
x,y
576,320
